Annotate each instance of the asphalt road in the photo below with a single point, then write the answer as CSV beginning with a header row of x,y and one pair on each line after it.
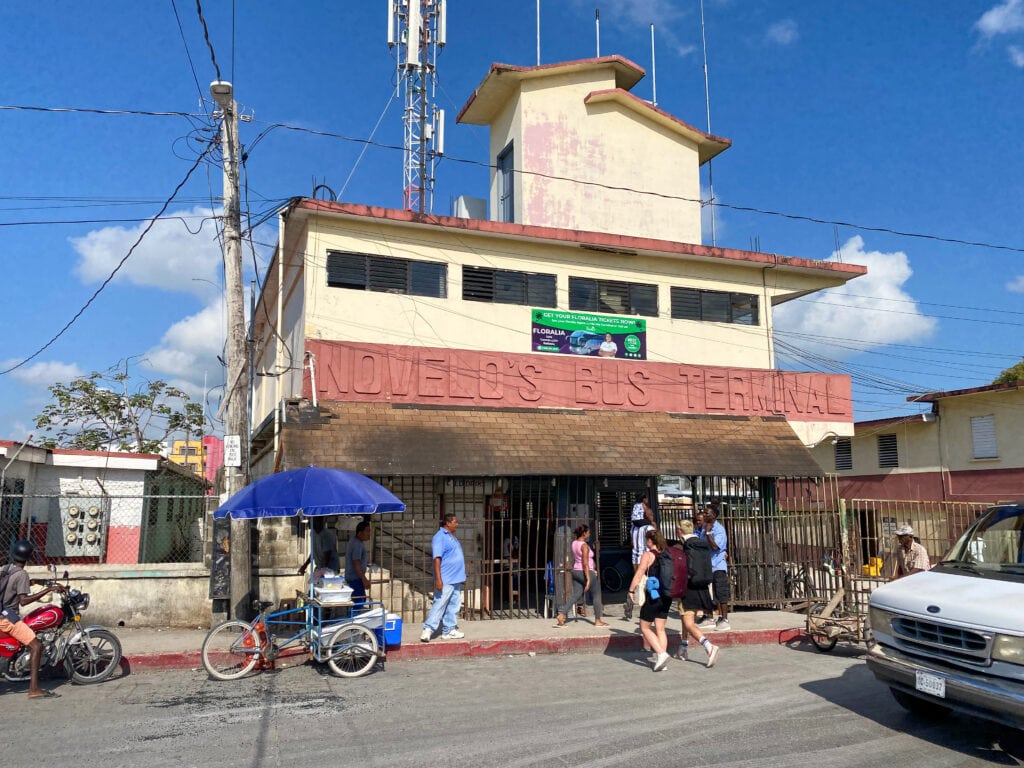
x,y
761,706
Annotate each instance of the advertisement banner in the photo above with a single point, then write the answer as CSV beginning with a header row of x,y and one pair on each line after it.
x,y
582,333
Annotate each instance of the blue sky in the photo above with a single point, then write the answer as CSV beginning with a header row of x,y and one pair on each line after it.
x,y
886,116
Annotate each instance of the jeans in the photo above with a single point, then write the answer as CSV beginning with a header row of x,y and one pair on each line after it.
x,y
578,580
445,610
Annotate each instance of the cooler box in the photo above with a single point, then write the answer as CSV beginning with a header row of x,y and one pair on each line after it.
x,y
387,627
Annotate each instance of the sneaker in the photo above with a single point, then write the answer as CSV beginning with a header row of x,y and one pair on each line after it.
x,y
708,623
453,634
627,613
425,637
660,661
680,654
722,625
712,655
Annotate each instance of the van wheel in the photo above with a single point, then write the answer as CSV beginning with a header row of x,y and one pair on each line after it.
x,y
918,706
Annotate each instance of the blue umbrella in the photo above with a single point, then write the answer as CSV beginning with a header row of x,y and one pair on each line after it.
x,y
311,491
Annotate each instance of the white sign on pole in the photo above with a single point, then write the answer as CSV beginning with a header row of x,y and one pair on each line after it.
x,y
232,451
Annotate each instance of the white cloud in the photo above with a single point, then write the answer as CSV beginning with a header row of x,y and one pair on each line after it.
x,y
638,15
1016,55
1016,285
43,374
187,353
874,309
783,32
169,256
1003,19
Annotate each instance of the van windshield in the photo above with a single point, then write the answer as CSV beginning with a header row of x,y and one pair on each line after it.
x,y
995,543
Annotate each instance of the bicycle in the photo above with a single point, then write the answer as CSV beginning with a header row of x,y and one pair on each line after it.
x,y
234,648
798,585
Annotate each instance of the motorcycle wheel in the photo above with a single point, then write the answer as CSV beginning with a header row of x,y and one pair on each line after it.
x,y
94,657
231,650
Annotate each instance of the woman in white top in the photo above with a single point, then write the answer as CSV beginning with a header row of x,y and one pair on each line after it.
x,y
608,347
584,577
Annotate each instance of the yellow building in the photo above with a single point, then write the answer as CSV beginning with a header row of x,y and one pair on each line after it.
x,y
190,454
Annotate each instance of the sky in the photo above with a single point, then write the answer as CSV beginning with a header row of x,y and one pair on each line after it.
x,y
878,133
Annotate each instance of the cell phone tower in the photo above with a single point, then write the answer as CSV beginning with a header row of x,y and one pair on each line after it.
x,y
416,32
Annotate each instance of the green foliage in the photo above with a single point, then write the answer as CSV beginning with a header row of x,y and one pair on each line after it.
x,y
1012,374
99,410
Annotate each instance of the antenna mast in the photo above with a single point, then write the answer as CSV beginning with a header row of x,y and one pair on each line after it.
x,y
707,103
417,28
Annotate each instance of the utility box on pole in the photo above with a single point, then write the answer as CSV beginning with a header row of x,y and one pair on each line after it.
x,y
237,420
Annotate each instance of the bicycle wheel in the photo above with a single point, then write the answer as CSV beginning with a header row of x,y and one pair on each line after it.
x,y
611,579
821,640
352,650
94,657
230,650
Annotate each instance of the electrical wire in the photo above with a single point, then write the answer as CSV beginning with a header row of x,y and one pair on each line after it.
x,y
206,36
188,55
113,273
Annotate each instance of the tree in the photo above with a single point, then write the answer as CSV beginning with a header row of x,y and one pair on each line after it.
x,y
101,411
1011,374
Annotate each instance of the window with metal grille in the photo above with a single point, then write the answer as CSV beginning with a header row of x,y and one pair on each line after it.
x,y
714,306
888,455
502,286
613,296
983,437
361,272
844,453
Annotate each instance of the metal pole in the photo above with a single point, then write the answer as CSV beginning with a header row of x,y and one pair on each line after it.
x,y
237,399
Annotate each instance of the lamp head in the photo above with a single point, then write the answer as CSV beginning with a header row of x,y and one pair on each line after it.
x,y
222,92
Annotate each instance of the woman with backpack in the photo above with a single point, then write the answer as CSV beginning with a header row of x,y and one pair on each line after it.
x,y
654,611
584,577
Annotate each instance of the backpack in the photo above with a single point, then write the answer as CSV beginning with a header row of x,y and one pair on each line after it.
x,y
666,573
680,574
698,561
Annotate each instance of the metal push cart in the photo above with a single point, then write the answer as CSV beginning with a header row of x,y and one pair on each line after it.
x,y
347,643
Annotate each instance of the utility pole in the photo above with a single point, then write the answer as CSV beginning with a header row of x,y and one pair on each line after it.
x,y
236,430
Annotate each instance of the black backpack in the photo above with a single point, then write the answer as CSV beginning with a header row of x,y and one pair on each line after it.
x,y
680,573
698,561
663,570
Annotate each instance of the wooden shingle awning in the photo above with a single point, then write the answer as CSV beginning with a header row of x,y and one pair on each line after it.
x,y
384,439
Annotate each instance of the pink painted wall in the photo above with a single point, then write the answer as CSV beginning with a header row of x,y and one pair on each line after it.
x,y
362,372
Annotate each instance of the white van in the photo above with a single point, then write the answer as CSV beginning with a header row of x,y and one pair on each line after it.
x,y
952,638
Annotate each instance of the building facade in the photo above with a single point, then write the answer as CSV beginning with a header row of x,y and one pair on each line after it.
x,y
542,366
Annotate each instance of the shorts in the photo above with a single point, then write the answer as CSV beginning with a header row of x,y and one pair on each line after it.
x,y
655,609
697,599
20,631
723,591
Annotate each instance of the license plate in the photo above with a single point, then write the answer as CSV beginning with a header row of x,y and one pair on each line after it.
x,y
932,684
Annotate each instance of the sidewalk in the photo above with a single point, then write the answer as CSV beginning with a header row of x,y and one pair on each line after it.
x,y
179,648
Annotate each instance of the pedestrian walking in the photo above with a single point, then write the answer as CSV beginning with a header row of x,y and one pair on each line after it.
x,y
717,539
697,596
449,579
584,578
654,611
638,537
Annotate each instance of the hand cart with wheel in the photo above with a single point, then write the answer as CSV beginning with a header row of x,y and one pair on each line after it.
x,y
844,617
348,643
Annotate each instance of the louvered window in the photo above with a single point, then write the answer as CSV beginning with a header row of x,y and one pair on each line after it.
x,y
844,453
613,297
362,272
888,455
714,306
500,286
983,437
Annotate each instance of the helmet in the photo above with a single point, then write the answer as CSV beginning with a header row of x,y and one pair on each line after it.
x,y
21,551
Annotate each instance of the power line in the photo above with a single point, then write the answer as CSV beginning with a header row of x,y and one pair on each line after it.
x,y
188,55
114,272
93,111
206,36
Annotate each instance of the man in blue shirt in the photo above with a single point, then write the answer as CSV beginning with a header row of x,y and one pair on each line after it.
x,y
449,579
714,531
356,563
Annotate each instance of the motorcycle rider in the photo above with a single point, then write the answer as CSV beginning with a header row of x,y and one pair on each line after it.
x,y
15,585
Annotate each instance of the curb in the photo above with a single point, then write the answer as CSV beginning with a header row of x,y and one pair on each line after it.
x,y
443,649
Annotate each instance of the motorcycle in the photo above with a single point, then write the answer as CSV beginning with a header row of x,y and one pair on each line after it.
x,y
89,654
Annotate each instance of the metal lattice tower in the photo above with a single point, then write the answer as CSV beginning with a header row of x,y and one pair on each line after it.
x,y
416,30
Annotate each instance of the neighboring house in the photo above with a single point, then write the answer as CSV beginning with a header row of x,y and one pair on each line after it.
x,y
435,353
203,457
94,507
967,448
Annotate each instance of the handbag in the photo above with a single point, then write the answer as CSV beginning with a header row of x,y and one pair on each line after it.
x,y
640,597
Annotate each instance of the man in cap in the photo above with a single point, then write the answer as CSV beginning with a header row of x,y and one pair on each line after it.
x,y
14,594
911,556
